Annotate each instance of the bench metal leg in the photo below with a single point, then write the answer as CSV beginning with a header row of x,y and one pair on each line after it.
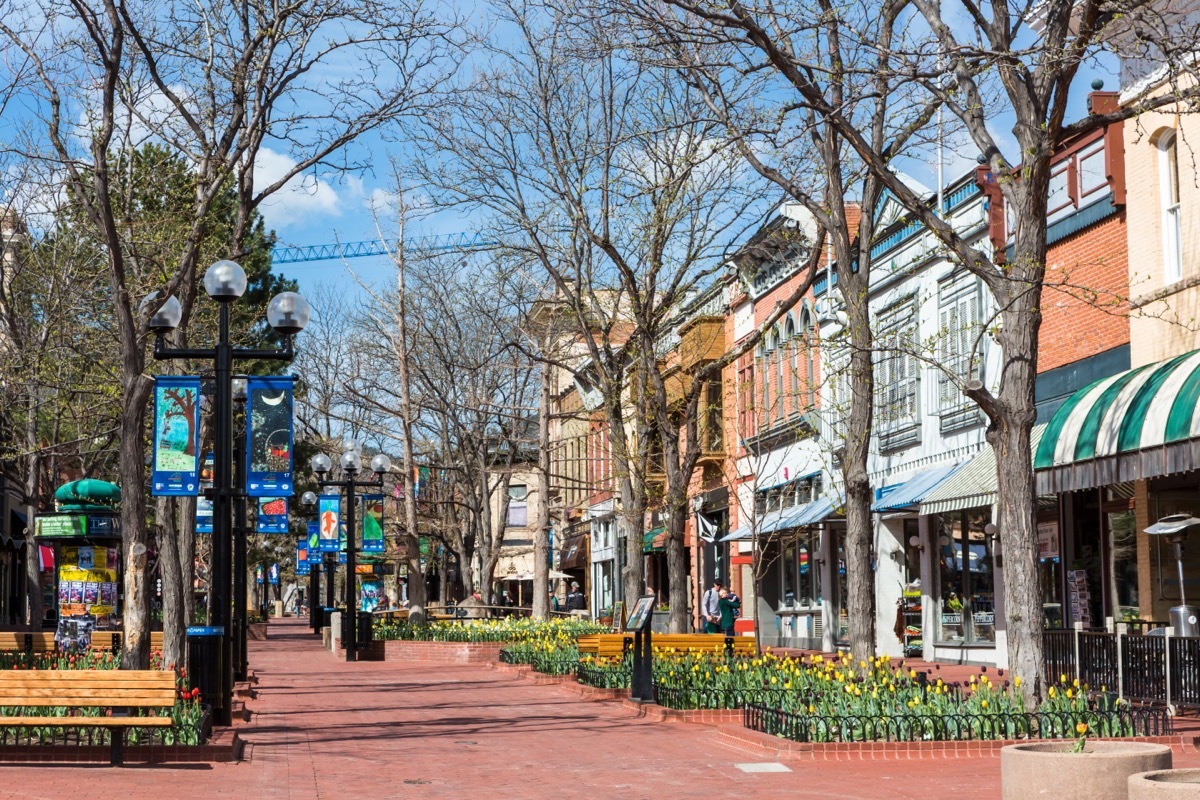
x,y
117,738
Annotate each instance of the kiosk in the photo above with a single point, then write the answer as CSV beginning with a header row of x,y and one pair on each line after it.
x,y
84,534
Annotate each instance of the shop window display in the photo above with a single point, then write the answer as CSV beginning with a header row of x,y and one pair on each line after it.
x,y
966,578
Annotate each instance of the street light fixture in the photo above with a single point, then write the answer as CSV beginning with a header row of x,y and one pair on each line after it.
x,y
225,281
351,464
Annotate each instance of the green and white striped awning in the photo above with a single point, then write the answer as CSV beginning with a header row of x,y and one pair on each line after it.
x,y
1142,423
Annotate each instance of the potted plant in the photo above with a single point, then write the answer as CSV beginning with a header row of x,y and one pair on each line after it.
x,y
1081,769
606,615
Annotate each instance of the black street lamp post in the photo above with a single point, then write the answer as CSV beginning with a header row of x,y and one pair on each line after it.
x,y
351,463
241,658
309,501
287,313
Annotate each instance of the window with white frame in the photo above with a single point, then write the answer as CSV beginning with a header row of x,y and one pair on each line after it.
x,y
1168,181
960,323
518,509
897,371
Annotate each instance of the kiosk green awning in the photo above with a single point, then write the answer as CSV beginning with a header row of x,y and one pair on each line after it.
x,y
88,495
1137,424
655,541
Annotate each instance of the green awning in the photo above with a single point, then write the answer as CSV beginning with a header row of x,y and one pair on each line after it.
x,y
1137,424
655,541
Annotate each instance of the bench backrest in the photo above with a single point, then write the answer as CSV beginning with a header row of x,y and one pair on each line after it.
x,y
38,642
149,688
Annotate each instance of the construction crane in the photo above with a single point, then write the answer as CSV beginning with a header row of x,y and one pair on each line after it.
x,y
436,243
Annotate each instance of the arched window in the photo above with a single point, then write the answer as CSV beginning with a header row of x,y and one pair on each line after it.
x,y
809,342
765,413
794,366
1168,183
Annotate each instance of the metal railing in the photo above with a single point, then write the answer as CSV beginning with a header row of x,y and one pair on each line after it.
x,y
1139,667
1125,722
683,698
605,677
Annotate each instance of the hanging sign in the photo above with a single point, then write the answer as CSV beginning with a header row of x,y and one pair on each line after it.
x,y
314,542
370,595
273,575
329,517
269,436
372,523
204,505
342,557
302,565
258,574
176,471
272,515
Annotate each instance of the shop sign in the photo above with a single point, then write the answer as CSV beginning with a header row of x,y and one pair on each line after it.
x,y
1047,534
61,525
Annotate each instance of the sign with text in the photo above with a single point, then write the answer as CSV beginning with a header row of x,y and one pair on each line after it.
x,y
272,515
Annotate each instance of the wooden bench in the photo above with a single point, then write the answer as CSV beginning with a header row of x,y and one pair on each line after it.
x,y
43,641
122,691
615,645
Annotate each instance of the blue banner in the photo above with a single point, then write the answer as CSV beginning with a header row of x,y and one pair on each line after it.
x,y
204,505
329,517
372,523
176,444
258,574
342,557
314,542
273,575
269,436
272,515
302,565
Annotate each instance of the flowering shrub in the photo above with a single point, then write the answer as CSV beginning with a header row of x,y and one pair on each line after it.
x,y
509,629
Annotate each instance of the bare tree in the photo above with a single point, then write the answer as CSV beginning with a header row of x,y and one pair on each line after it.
x,y
216,84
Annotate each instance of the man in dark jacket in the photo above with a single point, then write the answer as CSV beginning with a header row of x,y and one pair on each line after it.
x,y
575,600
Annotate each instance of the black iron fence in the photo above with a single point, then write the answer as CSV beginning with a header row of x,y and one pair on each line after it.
x,y
554,664
83,736
801,727
605,677
1135,666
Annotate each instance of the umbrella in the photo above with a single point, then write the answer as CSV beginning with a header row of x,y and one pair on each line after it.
x,y
528,576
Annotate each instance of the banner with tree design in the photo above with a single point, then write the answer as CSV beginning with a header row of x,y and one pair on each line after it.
x,y
176,471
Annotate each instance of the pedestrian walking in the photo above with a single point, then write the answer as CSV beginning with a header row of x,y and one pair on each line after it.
x,y
710,607
727,605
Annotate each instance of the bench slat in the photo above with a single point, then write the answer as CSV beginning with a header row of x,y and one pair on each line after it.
x,y
86,722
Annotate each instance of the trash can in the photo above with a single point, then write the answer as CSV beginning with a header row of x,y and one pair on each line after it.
x,y
323,615
365,626
204,662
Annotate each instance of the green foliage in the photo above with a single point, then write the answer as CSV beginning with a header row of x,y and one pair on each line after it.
x,y
514,630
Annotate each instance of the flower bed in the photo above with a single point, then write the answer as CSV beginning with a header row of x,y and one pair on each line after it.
x,y
512,630
819,699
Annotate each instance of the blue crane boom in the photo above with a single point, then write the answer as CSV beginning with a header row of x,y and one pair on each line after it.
x,y
441,242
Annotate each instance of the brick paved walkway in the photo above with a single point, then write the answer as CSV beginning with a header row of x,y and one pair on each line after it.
x,y
326,729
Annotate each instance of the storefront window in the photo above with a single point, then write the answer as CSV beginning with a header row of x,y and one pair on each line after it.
x,y
1122,564
1050,569
839,577
801,575
966,578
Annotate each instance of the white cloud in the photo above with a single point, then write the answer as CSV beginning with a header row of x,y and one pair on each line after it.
x,y
302,200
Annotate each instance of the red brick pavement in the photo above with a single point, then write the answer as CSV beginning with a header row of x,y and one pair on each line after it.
x,y
327,729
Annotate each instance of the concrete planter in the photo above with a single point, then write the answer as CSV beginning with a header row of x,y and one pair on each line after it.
x,y
1170,784
1101,772
256,631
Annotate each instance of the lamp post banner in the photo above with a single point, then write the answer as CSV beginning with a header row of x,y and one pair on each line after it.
x,y
269,436
204,505
372,523
329,517
258,574
273,575
314,542
176,471
302,565
272,515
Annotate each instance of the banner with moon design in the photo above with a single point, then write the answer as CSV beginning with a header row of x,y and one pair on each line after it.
x,y
269,447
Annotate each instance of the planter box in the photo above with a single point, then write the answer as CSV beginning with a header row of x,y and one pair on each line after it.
x,y
1101,772
443,652
1170,784
256,631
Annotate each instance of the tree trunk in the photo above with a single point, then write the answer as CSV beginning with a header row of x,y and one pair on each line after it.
x,y
860,578
677,570
135,648
541,532
1012,421
33,575
174,650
